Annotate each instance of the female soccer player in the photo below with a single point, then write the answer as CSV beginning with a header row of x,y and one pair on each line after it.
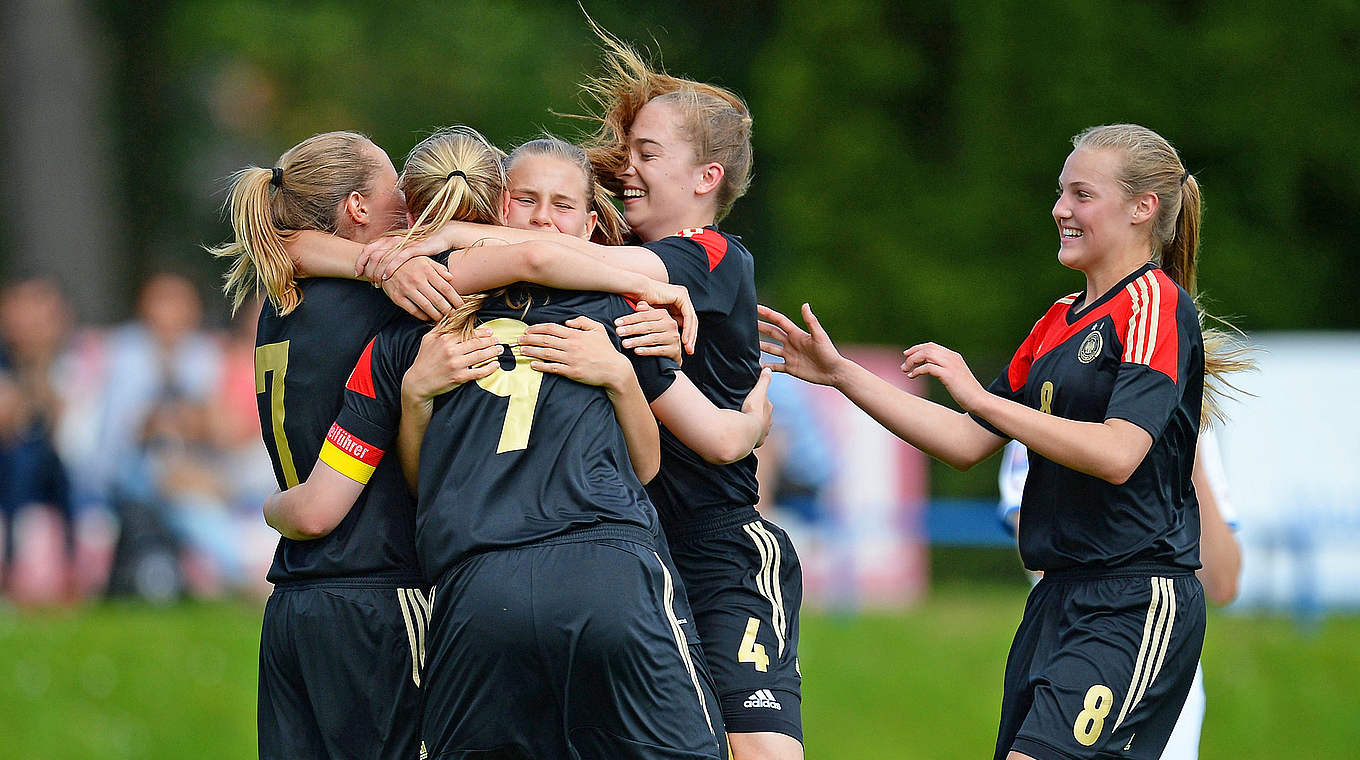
x,y
347,580
553,612
347,601
1106,392
680,153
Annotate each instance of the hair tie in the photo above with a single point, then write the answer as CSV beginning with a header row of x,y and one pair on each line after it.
x,y
456,173
1185,176
277,179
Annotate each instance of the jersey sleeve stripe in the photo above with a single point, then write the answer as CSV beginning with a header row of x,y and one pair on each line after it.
x,y
361,379
350,456
714,244
1154,317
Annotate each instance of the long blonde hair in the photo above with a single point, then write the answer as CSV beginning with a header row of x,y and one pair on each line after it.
x,y
716,120
455,174
303,191
610,228
1152,165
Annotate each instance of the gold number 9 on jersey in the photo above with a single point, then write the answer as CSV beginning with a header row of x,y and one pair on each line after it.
x,y
520,385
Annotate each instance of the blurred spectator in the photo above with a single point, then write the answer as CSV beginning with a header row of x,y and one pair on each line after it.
x,y
38,548
794,464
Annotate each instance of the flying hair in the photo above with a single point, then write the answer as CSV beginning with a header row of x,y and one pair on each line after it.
x,y
714,119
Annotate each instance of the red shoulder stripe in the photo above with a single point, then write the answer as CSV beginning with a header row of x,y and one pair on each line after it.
x,y
1153,337
715,245
361,379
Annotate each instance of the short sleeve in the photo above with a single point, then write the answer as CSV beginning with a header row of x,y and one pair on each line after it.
x,y
1149,385
698,259
367,423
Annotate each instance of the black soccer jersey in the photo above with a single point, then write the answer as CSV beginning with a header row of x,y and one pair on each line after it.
x,y
720,275
301,363
1135,354
516,457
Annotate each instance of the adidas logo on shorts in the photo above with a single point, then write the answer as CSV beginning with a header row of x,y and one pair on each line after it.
x,y
762,698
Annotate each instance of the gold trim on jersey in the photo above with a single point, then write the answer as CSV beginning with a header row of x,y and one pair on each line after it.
x,y
415,609
1145,294
1161,615
680,642
767,577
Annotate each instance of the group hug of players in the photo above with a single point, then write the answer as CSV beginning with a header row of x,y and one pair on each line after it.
x,y
490,547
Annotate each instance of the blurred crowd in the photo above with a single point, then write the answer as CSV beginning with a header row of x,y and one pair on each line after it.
x,y
130,456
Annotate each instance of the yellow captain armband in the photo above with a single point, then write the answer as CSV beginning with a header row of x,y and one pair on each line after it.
x,y
350,456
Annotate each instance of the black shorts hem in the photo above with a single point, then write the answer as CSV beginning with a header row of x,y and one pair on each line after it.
x,y
788,720
1040,750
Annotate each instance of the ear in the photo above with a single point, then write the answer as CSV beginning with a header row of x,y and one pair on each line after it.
x,y
356,208
1145,207
505,205
592,219
710,176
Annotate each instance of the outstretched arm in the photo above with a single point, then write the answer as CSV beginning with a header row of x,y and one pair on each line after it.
x,y
952,437
424,289
382,257
1110,450
580,350
720,436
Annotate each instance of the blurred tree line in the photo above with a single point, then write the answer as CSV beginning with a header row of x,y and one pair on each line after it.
x,y
906,153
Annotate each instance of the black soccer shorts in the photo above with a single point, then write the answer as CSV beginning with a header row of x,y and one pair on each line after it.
x,y
568,647
340,670
745,588
1100,665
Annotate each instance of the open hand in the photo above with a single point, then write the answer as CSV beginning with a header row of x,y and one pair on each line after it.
x,y
808,355
949,368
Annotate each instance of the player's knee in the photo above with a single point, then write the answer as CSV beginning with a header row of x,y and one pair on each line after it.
x,y
765,745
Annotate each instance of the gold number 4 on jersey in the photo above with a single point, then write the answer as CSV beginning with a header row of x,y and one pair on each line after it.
x,y
749,650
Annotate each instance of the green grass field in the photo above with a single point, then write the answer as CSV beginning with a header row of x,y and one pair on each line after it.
x,y
131,681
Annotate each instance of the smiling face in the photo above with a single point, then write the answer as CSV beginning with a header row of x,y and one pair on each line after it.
x,y
548,192
1096,221
662,175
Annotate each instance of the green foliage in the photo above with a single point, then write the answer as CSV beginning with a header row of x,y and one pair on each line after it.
x,y
905,153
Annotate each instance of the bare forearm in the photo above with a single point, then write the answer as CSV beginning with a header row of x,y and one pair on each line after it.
x,y
285,511
633,258
1219,552
950,436
544,262
318,254
639,427
415,420
1109,450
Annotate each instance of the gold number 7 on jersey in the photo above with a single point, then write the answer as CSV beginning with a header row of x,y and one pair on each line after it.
x,y
273,357
520,385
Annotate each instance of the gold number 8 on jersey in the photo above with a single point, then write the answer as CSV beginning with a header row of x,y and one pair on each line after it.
x,y
1091,720
520,385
